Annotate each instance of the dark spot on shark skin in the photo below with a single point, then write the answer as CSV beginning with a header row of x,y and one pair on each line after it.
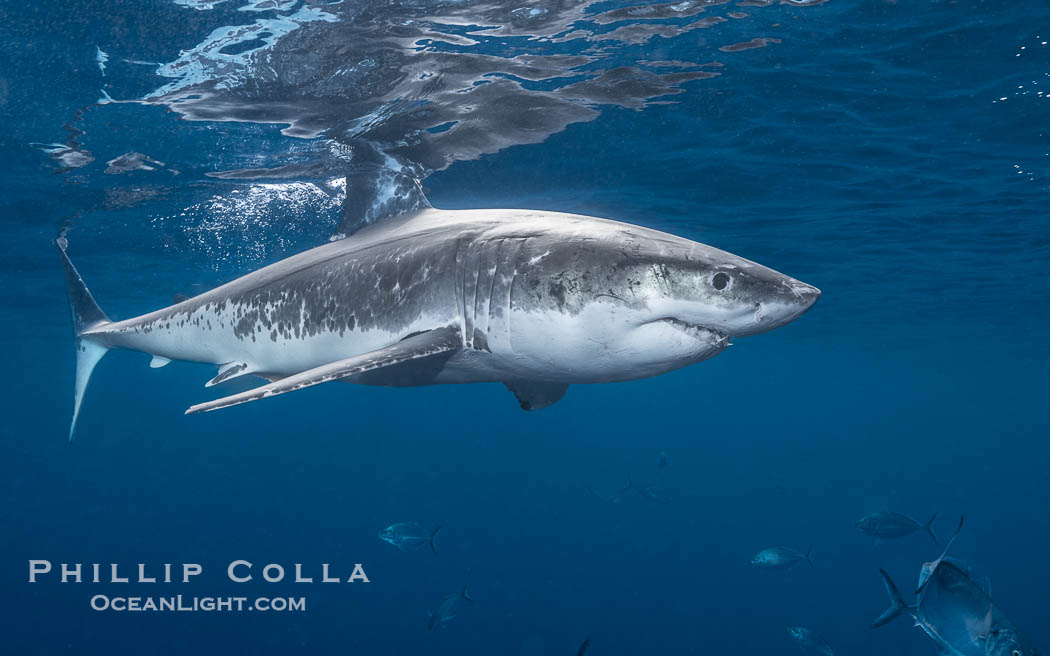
x,y
584,270
481,342
359,291
557,291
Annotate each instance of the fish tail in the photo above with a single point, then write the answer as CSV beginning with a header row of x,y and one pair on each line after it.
x,y
433,535
809,555
86,316
583,647
958,529
464,595
897,605
929,528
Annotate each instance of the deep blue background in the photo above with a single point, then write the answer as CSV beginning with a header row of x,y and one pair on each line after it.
x,y
868,154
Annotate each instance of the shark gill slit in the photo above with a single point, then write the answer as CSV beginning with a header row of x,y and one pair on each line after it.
x,y
459,290
474,309
493,273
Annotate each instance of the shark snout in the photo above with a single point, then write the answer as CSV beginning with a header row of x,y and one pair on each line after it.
x,y
801,298
788,302
808,295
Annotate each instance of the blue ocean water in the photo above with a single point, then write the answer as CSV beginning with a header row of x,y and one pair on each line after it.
x,y
894,155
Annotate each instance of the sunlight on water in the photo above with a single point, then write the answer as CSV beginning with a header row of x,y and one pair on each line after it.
x,y
254,221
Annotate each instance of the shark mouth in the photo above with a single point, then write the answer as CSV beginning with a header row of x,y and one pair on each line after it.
x,y
715,338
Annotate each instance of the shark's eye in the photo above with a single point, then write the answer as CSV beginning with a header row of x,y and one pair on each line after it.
x,y
1017,652
720,281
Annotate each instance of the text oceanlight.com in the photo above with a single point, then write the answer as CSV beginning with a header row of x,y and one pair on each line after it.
x,y
180,603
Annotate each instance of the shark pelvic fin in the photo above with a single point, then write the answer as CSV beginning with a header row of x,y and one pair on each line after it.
x,y
229,371
534,395
159,361
431,342
86,316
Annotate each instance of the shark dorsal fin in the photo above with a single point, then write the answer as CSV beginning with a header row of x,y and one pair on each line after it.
x,y
378,187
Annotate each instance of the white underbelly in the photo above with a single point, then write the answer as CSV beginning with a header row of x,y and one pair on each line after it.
x,y
207,336
605,342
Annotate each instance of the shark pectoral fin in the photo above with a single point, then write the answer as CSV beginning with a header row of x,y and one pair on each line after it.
x,y
418,346
534,394
229,371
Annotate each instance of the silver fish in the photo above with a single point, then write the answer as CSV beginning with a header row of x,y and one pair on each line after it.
x,y
956,612
409,536
645,491
780,558
892,525
447,609
810,642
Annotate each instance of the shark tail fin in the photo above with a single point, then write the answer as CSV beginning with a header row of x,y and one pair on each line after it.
x,y
433,547
86,315
464,595
897,605
929,528
809,557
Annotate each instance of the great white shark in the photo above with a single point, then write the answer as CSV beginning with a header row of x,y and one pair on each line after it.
x,y
533,299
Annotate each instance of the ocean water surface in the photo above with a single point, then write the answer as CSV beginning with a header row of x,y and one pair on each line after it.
x,y
895,155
